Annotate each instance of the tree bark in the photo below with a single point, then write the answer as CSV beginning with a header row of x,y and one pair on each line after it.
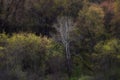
x,y
68,59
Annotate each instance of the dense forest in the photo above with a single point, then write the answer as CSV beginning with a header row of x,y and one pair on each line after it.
x,y
59,39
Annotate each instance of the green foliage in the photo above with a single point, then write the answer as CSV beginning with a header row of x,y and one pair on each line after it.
x,y
78,66
91,19
90,27
86,78
26,52
116,6
26,55
95,45
109,46
114,28
55,49
81,78
106,58
3,43
3,39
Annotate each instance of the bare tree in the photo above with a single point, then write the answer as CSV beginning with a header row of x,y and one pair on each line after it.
x,y
64,27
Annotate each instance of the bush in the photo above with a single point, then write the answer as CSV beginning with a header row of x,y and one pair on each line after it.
x,y
3,43
27,57
107,59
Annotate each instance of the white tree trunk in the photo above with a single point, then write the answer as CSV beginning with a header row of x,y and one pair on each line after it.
x,y
64,26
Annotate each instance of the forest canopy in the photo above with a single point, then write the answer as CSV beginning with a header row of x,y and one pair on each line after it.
x,y
59,39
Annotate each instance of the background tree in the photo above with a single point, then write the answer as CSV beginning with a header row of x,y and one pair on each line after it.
x,y
107,55
115,20
90,25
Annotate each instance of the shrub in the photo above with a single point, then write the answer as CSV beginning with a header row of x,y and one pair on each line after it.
x,y
28,57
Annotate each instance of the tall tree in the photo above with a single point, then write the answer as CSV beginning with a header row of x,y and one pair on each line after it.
x,y
64,26
90,24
